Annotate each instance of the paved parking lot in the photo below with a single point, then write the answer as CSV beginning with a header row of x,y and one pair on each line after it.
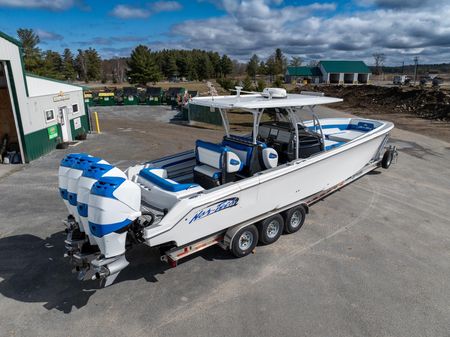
x,y
371,260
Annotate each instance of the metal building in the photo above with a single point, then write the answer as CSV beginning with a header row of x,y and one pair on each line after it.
x,y
308,74
331,72
35,112
345,72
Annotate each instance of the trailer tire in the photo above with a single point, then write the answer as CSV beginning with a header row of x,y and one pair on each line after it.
x,y
295,217
387,159
244,241
270,229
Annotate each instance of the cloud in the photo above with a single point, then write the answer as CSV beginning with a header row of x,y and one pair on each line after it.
x,y
130,12
402,4
165,6
323,29
48,36
54,5
108,41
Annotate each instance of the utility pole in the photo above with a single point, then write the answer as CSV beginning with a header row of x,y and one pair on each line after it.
x,y
416,61
403,67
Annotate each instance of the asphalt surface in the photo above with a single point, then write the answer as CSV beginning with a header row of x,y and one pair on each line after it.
x,y
371,260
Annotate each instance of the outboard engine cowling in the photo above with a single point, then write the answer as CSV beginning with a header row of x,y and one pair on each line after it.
x,y
114,203
73,176
64,167
88,178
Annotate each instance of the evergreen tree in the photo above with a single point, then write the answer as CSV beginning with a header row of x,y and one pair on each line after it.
x,y
31,53
261,84
142,66
278,83
280,62
172,68
252,66
93,64
68,65
216,63
227,65
184,64
247,84
262,69
271,67
204,67
51,65
81,65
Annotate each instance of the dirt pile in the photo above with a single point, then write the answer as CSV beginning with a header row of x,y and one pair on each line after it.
x,y
422,102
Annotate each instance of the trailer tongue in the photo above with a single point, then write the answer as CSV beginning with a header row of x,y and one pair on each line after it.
x,y
236,193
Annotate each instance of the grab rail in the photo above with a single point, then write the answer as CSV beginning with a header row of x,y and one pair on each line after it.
x,y
317,125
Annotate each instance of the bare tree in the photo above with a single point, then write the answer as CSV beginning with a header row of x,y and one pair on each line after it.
x,y
379,62
295,61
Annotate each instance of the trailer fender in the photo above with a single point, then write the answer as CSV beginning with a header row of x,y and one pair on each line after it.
x,y
231,232
306,207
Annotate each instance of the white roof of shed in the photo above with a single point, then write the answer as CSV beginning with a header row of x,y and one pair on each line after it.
x,y
258,101
38,86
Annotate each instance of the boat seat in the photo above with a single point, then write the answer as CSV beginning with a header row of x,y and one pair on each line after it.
x,y
248,153
209,171
216,164
160,191
331,144
345,135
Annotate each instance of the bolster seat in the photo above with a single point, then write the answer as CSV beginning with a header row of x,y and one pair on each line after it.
x,y
216,164
160,191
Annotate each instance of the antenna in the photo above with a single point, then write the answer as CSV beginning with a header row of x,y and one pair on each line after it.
x,y
416,61
238,92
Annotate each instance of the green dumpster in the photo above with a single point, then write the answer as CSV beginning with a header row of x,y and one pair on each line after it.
x,y
118,96
174,96
154,95
88,98
106,99
130,96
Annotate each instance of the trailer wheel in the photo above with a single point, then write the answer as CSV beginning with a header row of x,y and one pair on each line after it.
x,y
387,159
270,229
244,241
295,217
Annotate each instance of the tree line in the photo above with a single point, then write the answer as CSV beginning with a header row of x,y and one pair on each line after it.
x,y
141,67
84,66
147,66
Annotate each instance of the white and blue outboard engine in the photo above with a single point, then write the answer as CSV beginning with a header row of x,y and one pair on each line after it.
x,y
73,176
64,168
114,204
89,177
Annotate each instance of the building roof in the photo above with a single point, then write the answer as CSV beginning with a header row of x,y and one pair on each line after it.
x,y
345,67
258,101
41,86
10,39
304,71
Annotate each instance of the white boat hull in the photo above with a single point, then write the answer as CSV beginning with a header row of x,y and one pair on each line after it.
x,y
269,191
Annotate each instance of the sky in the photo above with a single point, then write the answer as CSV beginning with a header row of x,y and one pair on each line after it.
x,y
312,30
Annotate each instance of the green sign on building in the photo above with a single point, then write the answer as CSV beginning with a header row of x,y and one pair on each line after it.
x,y
52,132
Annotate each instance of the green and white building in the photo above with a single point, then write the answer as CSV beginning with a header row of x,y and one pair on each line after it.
x,y
37,113
331,72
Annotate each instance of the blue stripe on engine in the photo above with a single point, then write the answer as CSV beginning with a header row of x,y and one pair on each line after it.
x,y
99,230
82,209
72,197
63,193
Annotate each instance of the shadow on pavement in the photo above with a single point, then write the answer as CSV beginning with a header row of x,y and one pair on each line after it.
x,y
34,270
